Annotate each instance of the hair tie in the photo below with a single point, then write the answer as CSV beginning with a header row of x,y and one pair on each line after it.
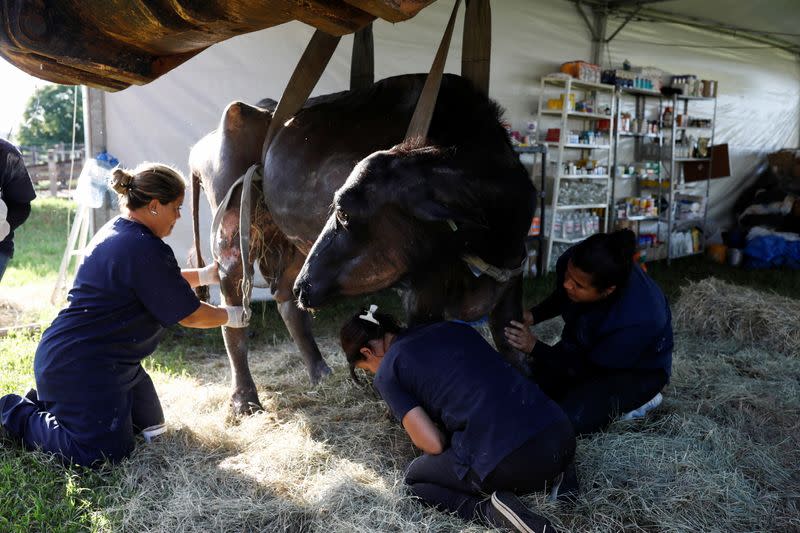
x,y
368,316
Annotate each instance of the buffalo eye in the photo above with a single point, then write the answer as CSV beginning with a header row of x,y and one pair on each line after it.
x,y
341,217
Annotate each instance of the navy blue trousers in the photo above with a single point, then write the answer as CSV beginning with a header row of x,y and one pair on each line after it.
x,y
85,432
595,397
527,469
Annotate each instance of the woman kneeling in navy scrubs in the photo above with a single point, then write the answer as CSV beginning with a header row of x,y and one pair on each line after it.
x,y
615,352
93,394
484,428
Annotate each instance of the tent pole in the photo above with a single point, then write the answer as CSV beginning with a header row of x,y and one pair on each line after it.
x,y
599,41
597,29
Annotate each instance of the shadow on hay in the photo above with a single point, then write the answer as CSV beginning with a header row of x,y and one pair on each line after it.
x,y
185,482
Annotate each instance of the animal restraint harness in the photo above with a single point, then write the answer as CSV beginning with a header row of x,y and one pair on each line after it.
x,y
475,65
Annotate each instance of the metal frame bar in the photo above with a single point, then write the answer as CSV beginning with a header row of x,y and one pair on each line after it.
x,y
624,8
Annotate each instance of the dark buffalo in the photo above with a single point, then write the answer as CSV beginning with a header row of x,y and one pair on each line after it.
x,y
371,213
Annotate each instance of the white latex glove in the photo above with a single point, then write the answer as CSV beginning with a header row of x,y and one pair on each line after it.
x,y
237,318
209,275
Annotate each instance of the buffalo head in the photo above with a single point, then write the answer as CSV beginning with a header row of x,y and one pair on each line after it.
x,y
400,211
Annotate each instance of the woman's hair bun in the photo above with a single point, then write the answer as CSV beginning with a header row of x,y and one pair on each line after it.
x,y
121,181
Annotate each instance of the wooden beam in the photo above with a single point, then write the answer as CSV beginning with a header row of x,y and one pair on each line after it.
x,y
391,10
476,48
362,62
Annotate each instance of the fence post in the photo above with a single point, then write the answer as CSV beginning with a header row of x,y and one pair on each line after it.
x,y
52,169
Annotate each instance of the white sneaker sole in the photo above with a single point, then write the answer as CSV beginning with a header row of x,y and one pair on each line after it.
x,y
151,432
643,410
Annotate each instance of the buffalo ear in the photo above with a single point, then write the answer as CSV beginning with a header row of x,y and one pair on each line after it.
x,y
441,192
457,217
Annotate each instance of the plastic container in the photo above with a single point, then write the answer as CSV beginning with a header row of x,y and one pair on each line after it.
x,y
735,256
717,253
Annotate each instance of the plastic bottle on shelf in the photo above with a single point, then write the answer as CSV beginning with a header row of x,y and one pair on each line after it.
x,y
586,224
531,131
569,227
666,117
531,267
558,227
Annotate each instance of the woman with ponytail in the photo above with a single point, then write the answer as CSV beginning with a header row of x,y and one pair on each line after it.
x,y
487,433
615,352
92,393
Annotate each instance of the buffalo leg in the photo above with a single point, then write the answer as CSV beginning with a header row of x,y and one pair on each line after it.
x,y
244,399
298,322
508,308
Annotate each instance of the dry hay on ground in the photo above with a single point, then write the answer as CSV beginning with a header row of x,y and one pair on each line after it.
x,y
720,455
9,313
711,307
24,305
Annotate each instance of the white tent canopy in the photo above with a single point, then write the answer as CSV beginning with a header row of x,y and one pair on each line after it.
x,y
759,85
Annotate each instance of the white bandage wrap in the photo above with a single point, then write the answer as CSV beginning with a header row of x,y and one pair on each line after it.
x,y
208,275
236,317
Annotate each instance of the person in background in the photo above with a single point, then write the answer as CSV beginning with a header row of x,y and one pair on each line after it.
x,y
615,352
483,427
92,393
16,195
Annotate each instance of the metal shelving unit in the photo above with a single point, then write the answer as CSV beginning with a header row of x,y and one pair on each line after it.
x,y
678,185
646,148
537,240
569,152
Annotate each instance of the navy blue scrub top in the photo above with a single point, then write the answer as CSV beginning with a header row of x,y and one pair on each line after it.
x,y
486,407
631,329
128,289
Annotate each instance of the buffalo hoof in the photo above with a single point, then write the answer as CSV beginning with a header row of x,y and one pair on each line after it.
x,y
245,403
318,372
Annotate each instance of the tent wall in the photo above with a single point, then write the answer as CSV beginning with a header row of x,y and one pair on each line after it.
x,y
758,106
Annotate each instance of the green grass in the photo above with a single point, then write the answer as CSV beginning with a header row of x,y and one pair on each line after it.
x,y
37,493
39,243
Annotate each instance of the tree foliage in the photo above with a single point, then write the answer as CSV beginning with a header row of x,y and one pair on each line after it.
x,y
48,117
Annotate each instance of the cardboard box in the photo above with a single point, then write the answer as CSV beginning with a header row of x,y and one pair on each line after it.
x,y
785,162
720,165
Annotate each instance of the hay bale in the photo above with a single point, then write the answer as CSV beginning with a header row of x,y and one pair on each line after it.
x,y
713,308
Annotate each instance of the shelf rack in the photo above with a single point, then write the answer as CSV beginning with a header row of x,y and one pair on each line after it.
x,y
570,90
676,167
642,102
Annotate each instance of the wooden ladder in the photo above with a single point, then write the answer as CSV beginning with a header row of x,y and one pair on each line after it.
x,y
79,235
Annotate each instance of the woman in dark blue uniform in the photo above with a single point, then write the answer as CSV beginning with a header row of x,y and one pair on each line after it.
x,y
484,428
615,352
93,394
